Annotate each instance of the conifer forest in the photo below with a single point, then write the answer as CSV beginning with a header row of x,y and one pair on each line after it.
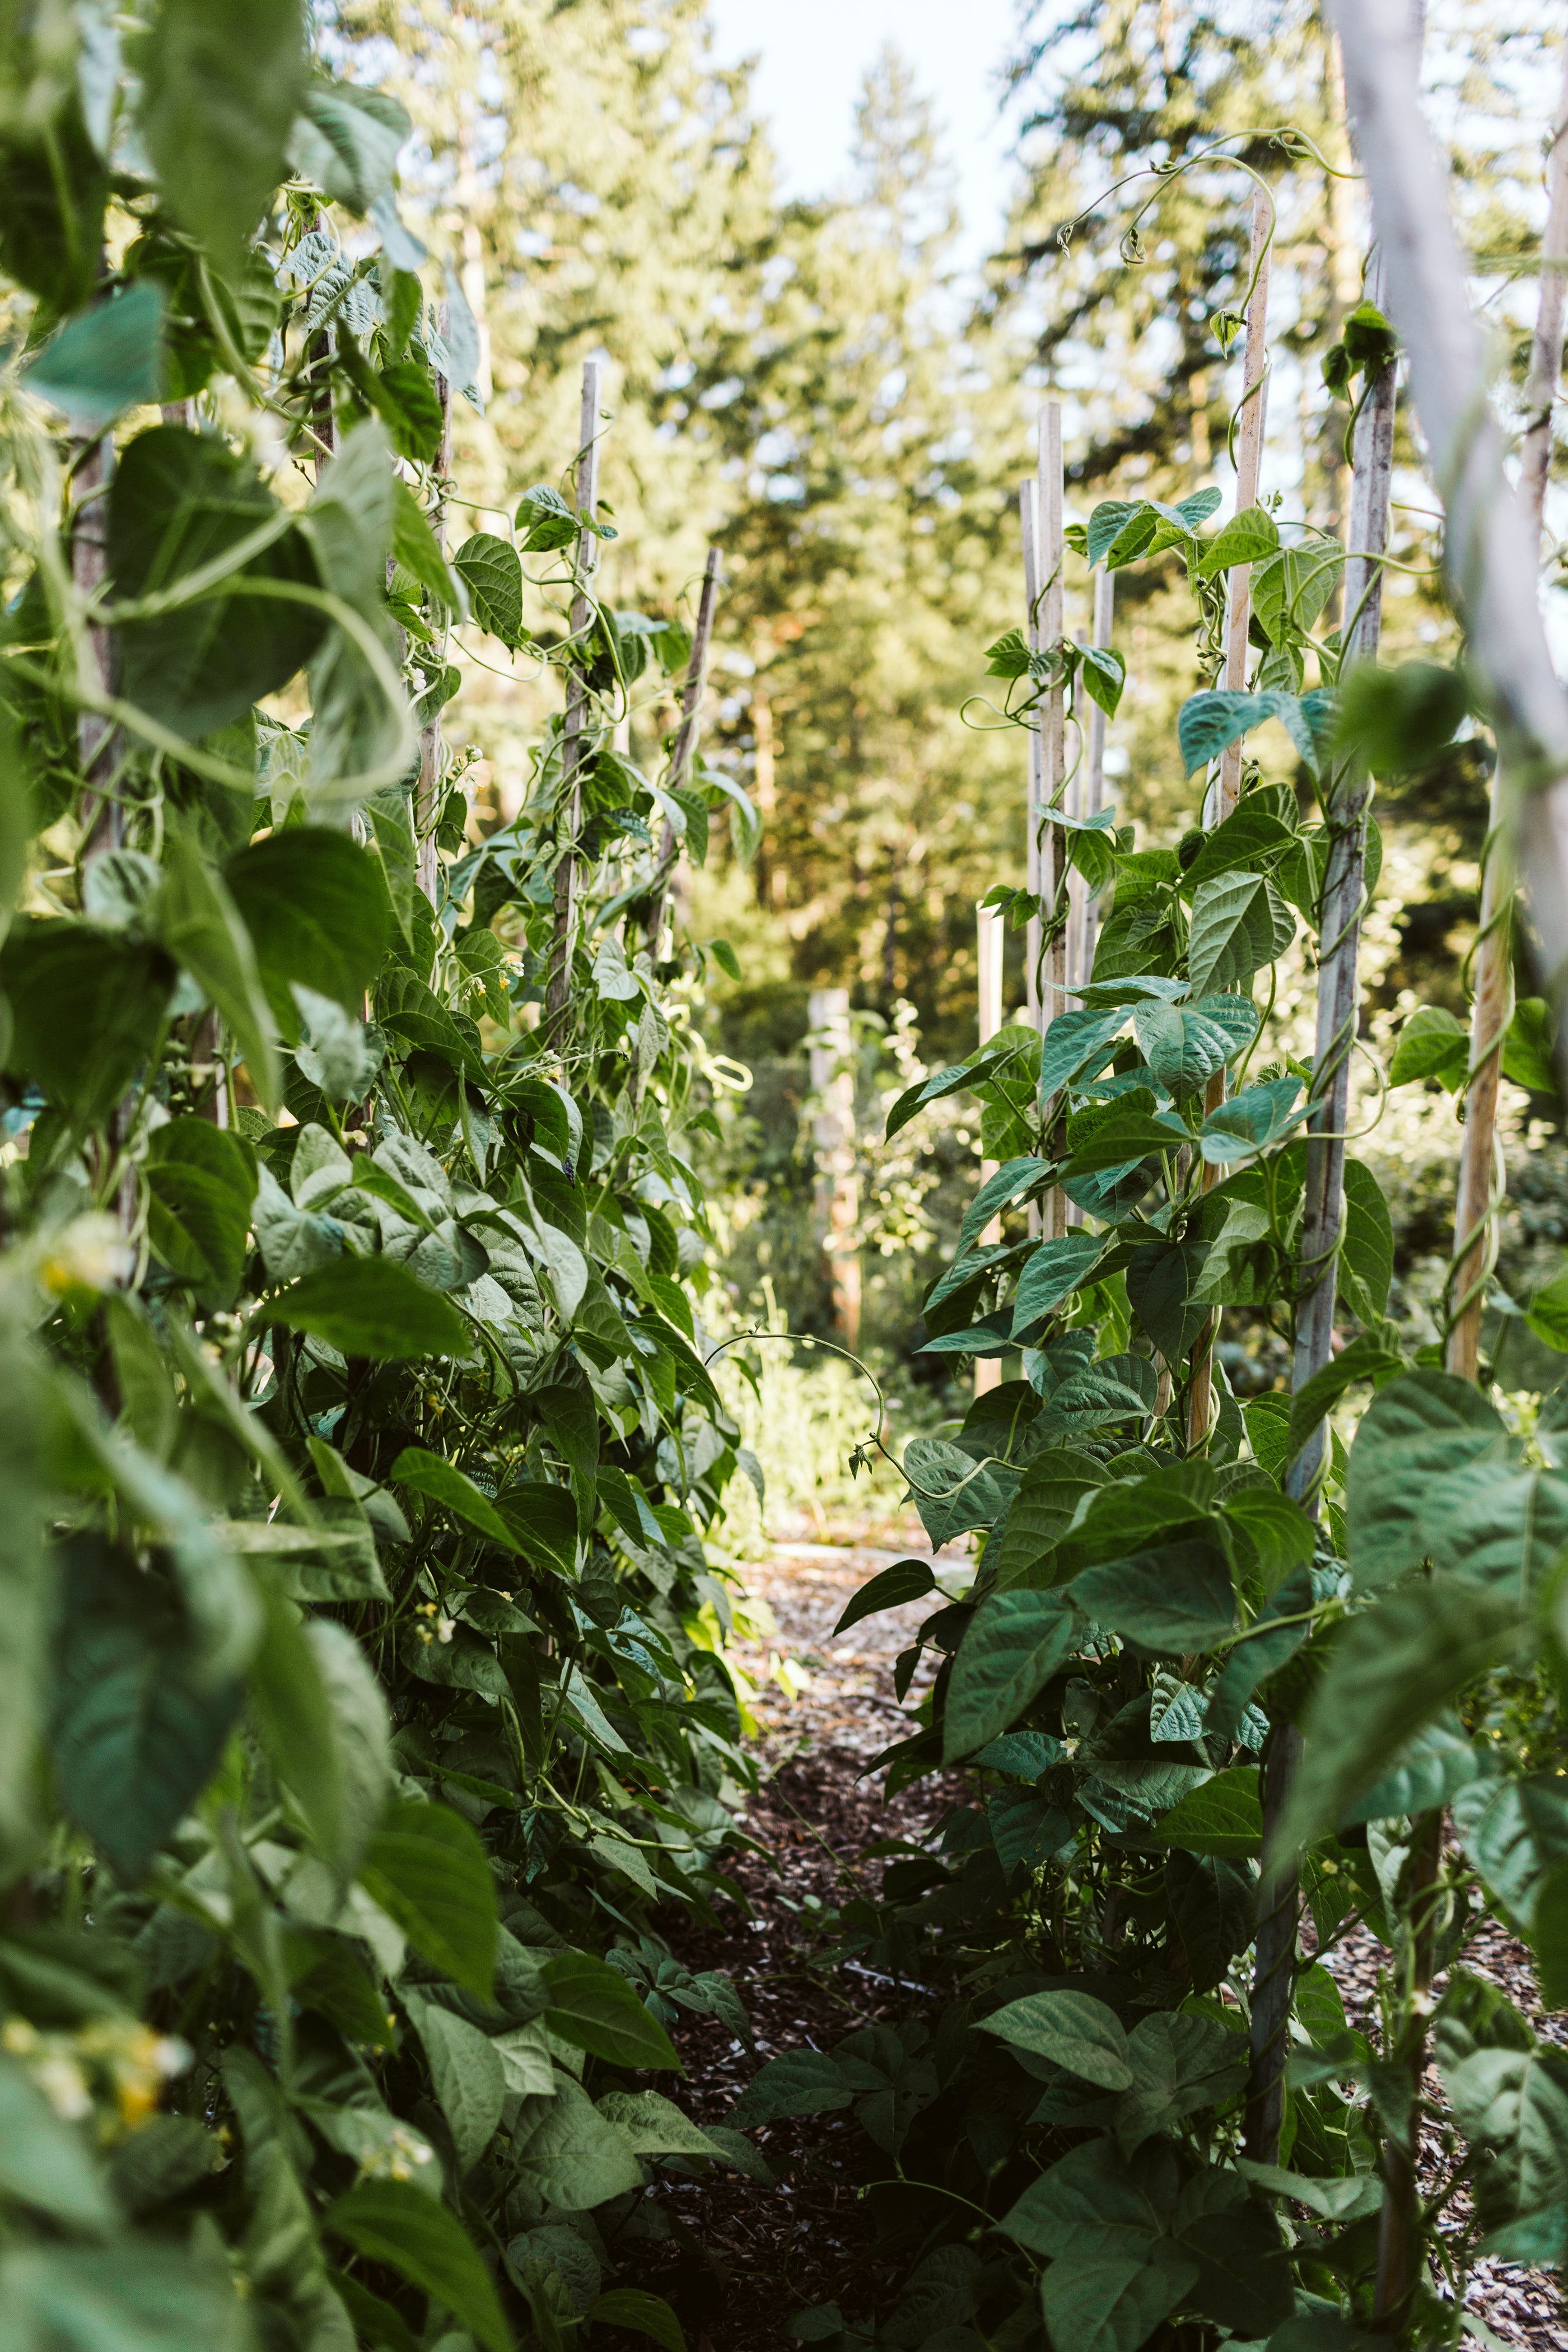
x,y
783,1187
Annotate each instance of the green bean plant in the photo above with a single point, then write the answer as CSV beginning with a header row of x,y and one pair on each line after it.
x,y
1072,2119
362,1699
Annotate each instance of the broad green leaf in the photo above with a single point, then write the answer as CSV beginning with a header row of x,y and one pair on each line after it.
x,y
493,575
136,1723
594,2007
572,2155
1239,926
952,1492
1252,1121
1246,2281
1161,1281
202,929
1528,1047
1050,1275
543,1520
1251,837
1402,719
468,2072
798,2083
1420,1426
87,1007
1366,1250
136,2296
1092,2204
1438,1762
1292,589
641,2314
1177,1599
1073,2031
1180,2064
433,1474
1395,1667
1498,1528
1223,1817
316,907
43,2162
655,2126
1548,1313
372,1307
1213,1904
1113,2304
1011,1182
1014,1644
1077,1043
104,361
1515,1831
1183,1046
347,139
182,502
1211,721
221,80
1369,1356
1040,1513
1249,537
324,1726
906,1580
1277,1529
413,2233
1433,1044
430,1873
201,1181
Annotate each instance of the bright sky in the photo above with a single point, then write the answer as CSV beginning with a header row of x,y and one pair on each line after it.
x,y
814,53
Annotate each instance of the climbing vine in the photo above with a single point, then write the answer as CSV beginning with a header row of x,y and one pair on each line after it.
x,y
364,1692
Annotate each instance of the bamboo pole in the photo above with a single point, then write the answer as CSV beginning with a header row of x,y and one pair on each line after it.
x,y
1052,768
574,735
686,743
1345,807
1223,795
989,941
428,793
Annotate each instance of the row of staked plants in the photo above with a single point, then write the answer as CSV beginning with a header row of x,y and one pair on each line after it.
x,y
1086,2137
361,1695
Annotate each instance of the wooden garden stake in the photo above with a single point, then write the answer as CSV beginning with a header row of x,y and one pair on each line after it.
x,y
1089,795
989,939
1223,795
1345,806
1048,608
427,795
685,742
574,737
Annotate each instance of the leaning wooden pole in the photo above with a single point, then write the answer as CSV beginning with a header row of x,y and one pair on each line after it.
x,y
1225,789
1546,347
574,740
1338,942
1490,543
988,943
685,742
